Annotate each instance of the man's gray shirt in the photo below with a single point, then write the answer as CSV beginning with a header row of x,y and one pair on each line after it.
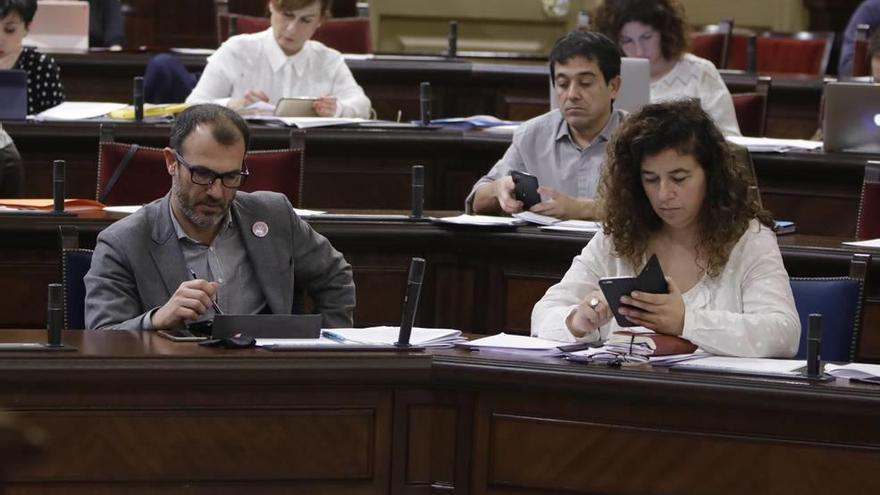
x,y
543,147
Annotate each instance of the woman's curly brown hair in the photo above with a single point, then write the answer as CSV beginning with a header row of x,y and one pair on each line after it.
x,y
629,219
666,16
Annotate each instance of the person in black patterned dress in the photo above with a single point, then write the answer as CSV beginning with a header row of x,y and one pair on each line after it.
x,y
45,89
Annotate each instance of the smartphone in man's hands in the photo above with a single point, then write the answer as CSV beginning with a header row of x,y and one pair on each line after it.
x,y
525,188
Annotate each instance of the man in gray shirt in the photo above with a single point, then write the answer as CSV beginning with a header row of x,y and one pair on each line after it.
x,y
207,245
564,148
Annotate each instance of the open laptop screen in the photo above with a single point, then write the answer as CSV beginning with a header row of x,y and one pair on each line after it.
x,y
852,117
13,95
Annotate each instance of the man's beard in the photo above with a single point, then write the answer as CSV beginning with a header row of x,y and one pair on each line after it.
x,y
189,211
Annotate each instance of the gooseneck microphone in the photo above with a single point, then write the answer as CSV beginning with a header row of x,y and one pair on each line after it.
x,y
814,343
54,316
137,92
410,301
418,191
58,179
453,39
425,102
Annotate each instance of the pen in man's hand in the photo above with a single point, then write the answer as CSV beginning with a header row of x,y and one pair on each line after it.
x,y
214,305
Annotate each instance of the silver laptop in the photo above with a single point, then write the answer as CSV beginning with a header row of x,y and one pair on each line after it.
x,y
852,117
267,326
60,26
13,94
635,86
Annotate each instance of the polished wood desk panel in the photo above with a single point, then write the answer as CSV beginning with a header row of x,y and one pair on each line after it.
x,y
137,414
476,280
501,87
370,168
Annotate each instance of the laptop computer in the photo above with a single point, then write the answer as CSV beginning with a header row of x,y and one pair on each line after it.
x,y
852,117
60,26
267,326
635,85
13,94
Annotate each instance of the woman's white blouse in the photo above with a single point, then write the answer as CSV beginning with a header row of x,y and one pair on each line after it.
x,y
747,310
695,77
255,61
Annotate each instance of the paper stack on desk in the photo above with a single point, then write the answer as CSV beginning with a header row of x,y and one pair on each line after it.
x,y
423,337
514,344
855,371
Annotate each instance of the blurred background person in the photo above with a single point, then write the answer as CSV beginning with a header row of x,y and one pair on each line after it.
x,y
45,89
658,31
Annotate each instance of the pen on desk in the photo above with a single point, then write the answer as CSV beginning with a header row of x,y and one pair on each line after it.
x,y
333,336
214,305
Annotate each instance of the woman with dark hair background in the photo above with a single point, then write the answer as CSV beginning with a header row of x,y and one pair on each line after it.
x,y
671,188
44,77
658,31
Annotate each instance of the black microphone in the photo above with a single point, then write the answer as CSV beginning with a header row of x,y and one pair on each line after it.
x,y
418,190
814,342
54,315
138,98
453,39
58,186
425,102
410,300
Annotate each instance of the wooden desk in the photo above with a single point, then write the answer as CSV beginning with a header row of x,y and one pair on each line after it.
x,y
478,281
132,413
371,168
504,88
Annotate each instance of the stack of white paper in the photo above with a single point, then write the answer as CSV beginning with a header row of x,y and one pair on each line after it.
x,y
757,366
858,371
758,144
79,110
479,220
424,337
520,344
554,224
870,243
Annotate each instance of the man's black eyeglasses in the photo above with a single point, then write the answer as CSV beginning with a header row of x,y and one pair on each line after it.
x,y
204,176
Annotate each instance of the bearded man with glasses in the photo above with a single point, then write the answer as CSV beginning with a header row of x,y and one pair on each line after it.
x,y
206,245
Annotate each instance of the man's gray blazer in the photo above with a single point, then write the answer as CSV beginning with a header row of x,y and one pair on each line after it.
x,y
138,263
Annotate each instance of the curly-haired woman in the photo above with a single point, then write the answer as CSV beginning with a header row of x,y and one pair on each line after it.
x,y
672,188
658,31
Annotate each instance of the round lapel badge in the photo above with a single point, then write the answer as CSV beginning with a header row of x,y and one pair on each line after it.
x,y
260,229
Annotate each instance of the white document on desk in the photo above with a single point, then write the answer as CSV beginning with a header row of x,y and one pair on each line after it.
x,y
859,371
425,337
771,145
870,243
757,366
514,344
79,110
480,220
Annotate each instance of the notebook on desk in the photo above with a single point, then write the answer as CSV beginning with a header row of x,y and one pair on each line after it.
x,y
852,117
13,94
60,26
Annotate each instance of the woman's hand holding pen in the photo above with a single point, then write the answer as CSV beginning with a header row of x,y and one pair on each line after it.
x,y
191,300
589,315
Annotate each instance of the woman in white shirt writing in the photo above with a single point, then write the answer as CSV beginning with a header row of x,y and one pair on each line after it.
x,y
283,62
672,188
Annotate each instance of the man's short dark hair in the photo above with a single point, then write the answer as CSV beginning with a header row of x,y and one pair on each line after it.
x,y
227,126
593,46
24,8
